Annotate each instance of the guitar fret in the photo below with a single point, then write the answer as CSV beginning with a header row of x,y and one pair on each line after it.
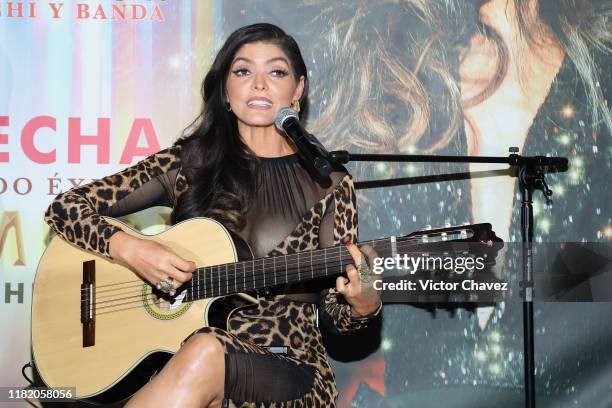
x,y
204,271
274,268
194,281
194,285
263,270
298,264
244,276
235,285
207,282
286,279
254,286
325,259
212,286
226,281
311,269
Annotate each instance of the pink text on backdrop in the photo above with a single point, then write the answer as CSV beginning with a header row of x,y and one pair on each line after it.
x,y
83,11
76,139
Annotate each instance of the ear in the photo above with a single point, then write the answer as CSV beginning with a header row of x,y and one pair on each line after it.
x,y
299,90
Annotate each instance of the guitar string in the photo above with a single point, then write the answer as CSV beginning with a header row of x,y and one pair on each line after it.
x,y
138,282
290,258
293,260
149,297
278,256
139,306
222,281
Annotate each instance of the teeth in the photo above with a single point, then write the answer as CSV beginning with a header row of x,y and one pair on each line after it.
x,y
259,103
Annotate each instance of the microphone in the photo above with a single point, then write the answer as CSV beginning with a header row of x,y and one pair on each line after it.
x,y
312,152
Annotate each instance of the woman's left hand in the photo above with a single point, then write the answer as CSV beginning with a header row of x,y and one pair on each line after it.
x,y
358,289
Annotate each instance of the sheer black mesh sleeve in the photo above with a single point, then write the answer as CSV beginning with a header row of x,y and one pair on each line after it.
x,y
339,226
77,214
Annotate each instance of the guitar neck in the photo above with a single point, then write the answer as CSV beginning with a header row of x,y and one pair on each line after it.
x,y
267,272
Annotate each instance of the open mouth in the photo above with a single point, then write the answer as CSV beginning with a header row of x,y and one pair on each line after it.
x,y
259,103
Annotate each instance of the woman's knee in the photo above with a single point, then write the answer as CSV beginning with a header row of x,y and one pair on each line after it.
x,y
203,347
201,360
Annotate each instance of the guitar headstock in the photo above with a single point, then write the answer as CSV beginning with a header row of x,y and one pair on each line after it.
x,y
482,233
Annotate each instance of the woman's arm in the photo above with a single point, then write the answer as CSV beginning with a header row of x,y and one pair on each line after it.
x,y
339,227
76,215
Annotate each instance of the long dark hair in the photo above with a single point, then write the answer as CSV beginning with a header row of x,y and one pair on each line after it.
x,y
404,53
218,165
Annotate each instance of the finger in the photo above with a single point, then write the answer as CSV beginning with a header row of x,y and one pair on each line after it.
x,y
355,253
353,275
341,282
370,253
179,276
182,264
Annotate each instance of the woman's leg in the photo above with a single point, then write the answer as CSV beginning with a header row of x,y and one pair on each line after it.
x,y
194,377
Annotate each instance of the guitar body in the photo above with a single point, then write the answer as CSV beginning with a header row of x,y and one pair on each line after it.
x,y
134,332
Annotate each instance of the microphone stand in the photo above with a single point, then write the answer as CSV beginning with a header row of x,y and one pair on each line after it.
x,y
531,175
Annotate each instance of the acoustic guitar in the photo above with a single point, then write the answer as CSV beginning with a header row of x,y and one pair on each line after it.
x,y
98,327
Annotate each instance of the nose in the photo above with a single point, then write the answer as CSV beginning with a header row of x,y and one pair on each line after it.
x,y
259,81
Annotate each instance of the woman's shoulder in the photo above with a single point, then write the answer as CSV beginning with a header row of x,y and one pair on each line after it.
x,y
338,173
340,176
163,161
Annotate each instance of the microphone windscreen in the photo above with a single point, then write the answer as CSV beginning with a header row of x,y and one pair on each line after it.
x,y
282,115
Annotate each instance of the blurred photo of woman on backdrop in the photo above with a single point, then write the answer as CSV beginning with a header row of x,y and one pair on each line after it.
x,y
475,78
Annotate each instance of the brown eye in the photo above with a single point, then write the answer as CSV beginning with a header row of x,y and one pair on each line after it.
x,y
279,73
240,72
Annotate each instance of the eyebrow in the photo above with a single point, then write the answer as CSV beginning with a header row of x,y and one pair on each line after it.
x,y
271,60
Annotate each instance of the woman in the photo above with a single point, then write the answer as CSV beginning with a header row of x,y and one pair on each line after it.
x,y
210,173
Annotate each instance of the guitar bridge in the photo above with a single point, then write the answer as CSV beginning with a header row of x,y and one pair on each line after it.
x,y
88,302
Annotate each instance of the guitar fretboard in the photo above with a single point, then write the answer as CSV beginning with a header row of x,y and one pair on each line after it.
x,y
267,272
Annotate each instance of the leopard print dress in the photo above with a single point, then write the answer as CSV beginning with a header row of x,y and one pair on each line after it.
x,y
78,216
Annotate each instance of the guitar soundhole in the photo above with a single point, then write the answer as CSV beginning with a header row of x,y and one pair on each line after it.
x,y
162,303
163,306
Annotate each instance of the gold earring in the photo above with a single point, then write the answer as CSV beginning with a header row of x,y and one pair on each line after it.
x,y
295,105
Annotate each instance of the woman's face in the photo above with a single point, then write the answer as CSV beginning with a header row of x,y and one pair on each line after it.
x,y
261,82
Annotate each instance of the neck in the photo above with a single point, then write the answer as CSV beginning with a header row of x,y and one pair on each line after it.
x,y
265,141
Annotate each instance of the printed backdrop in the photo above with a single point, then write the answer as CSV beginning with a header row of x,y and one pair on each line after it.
x,y
89,87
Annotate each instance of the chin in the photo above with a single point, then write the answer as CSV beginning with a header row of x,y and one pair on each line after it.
x,y
259,120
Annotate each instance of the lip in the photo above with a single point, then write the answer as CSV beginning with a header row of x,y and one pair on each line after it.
x,y
256,103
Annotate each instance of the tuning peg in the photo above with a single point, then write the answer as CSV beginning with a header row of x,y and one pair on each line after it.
x,y
447,224
427,227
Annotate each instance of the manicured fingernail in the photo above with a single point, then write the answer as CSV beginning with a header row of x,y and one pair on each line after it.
x,y
348,244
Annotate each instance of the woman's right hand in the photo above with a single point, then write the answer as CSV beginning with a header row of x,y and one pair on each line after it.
x,y
152,261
